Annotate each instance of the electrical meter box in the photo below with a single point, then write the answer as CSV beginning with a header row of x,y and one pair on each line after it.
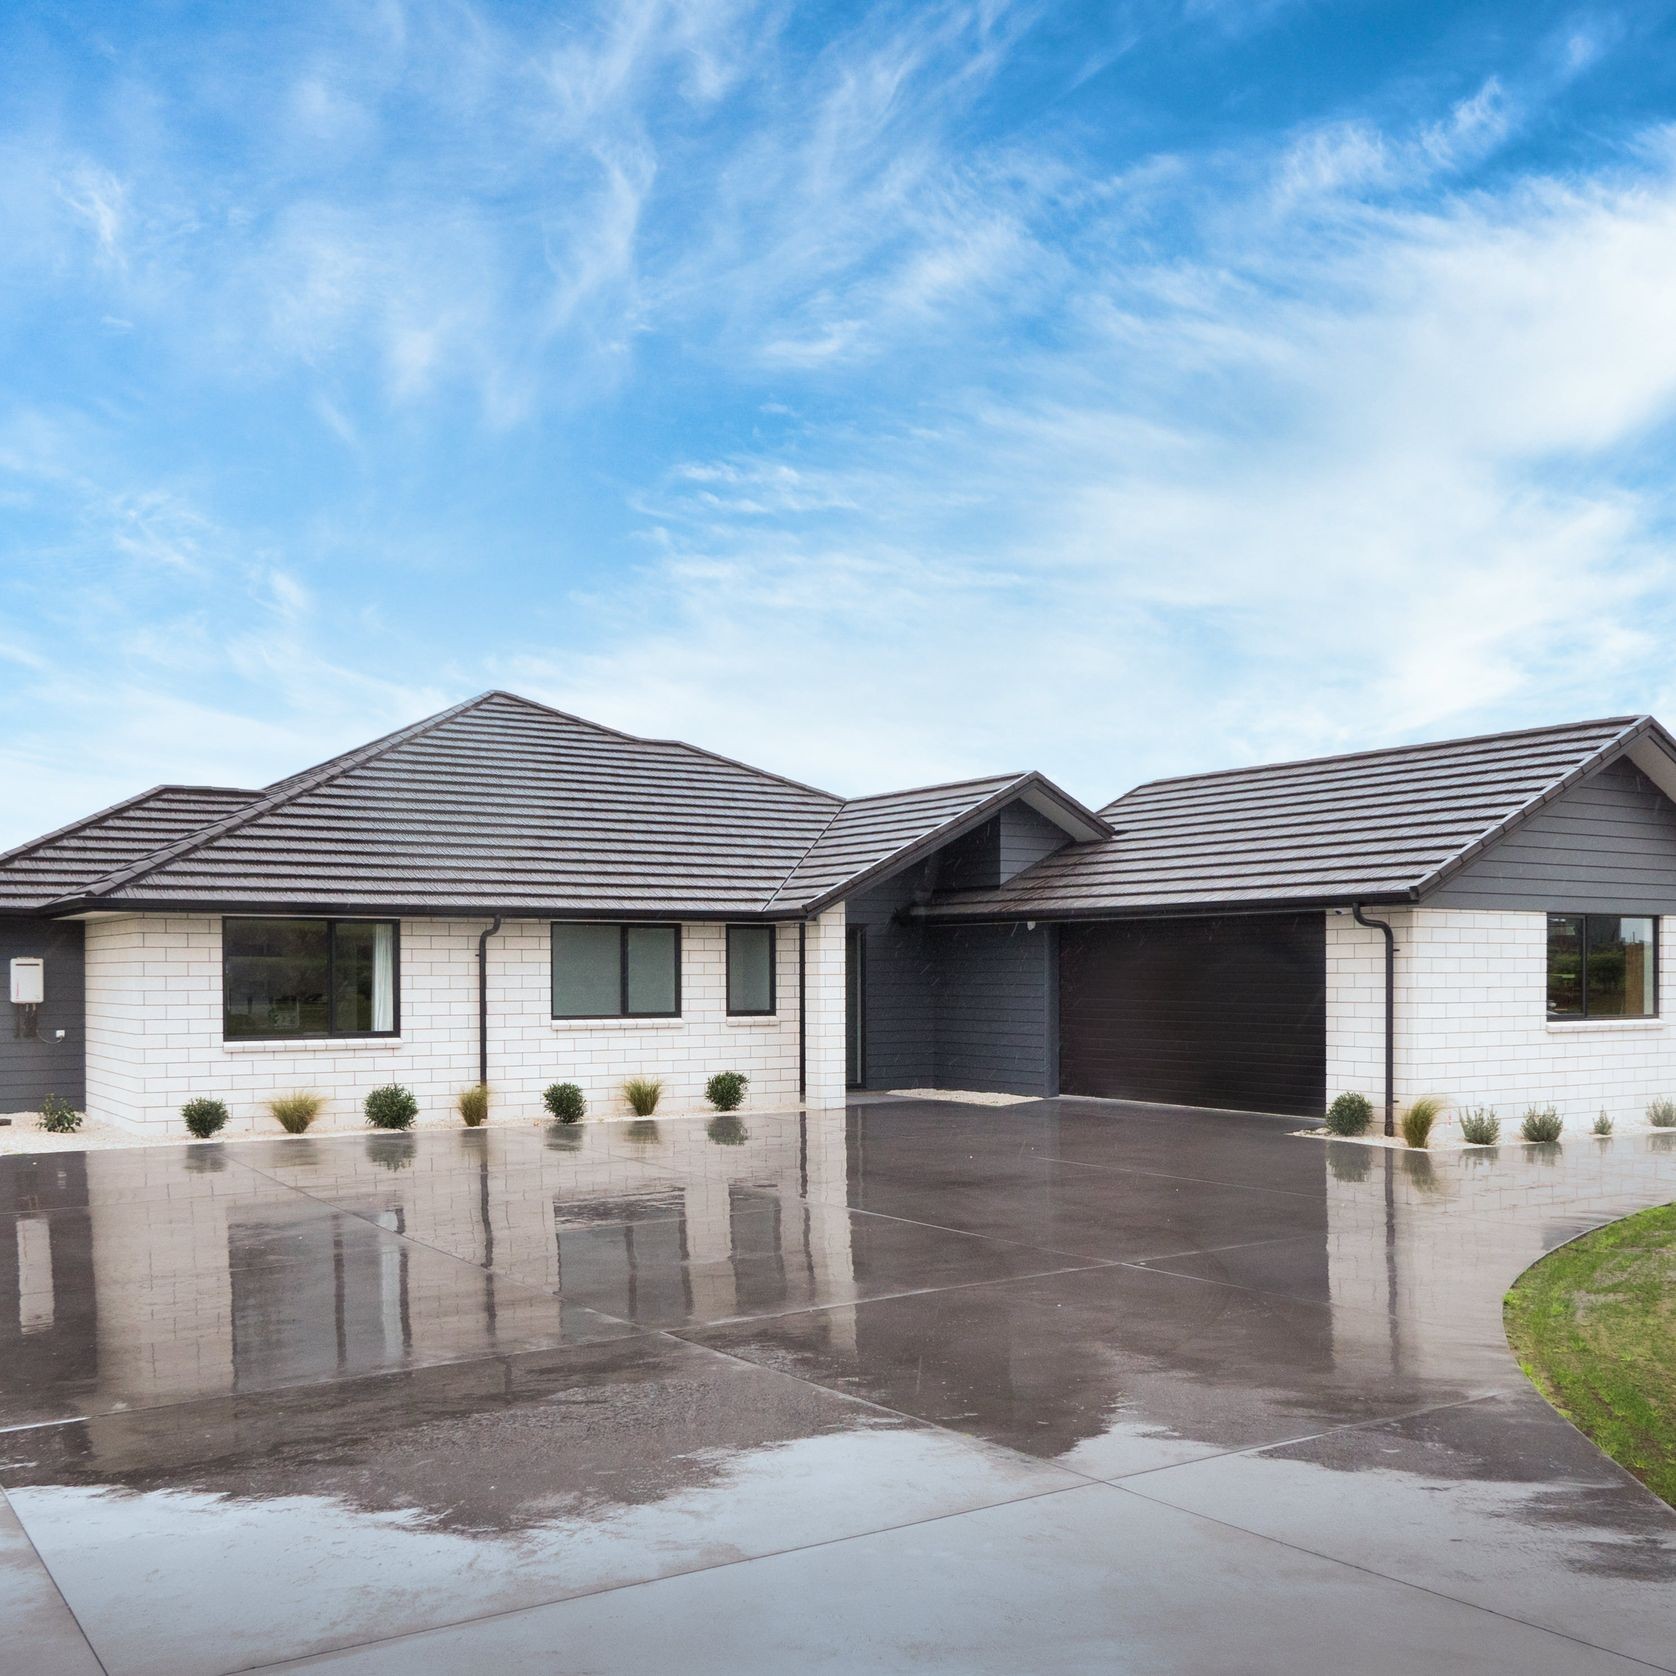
x,y
29,977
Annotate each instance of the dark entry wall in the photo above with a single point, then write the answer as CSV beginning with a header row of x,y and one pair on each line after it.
x,y
1197,1012
32,1068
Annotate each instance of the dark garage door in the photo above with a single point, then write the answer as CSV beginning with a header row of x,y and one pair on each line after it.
x,y
1197,1012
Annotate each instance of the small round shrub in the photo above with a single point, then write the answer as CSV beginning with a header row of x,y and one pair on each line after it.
x,y
566,1102
1603,1125
295,1112
473,1105
726,1089
1542,1123
204,1117
1349,1114
391,1107
58,1116
1662,1113
1480,1126
1417,1121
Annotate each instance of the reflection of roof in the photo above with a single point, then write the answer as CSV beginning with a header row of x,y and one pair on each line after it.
x,y
1375,826
500,804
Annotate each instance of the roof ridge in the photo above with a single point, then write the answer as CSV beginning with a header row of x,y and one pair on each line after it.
x,y
311,780
678,744
1380,751
1010,778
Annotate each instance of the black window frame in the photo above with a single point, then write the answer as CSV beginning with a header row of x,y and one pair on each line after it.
x,y
1583,1015
773,1008
624,927
331,922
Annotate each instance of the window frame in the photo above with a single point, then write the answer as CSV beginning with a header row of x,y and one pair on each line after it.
x,y
1583,1015
331,922
772,1010
623,929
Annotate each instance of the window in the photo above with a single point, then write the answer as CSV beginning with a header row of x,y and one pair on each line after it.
x,y
307,977
750,969
616,971
1603,966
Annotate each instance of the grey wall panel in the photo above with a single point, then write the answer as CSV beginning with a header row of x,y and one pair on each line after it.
x,y
1607,846
1026,837
33,1067
992,1001
900,1030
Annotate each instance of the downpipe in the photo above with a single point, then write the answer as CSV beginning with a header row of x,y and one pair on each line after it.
x,y
1390,1012
483,1001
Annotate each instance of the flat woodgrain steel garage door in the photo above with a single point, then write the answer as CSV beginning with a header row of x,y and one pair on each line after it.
x,y
1197,1012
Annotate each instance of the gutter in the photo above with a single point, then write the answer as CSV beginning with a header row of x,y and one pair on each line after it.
x,y
483,1000
1390,1012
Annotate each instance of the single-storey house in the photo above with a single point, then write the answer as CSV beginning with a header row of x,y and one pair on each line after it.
x,y
507,893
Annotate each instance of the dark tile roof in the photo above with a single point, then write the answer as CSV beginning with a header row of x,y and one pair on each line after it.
x,y
1375,826
70,859
503,805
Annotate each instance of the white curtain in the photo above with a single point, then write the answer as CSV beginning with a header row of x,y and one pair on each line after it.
x,y
383,977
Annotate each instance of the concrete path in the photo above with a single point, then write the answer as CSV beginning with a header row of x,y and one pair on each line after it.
x,y
1061,1387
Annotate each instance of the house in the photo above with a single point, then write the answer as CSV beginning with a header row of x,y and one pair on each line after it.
x,y
506,892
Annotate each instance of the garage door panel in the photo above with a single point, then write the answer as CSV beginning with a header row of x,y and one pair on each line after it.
x,y
1216,1012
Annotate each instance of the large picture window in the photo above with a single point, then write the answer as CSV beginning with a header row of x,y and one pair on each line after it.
x,y
308,977
750,970
1603,966
616,971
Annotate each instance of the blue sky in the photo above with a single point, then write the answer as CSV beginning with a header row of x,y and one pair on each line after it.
x,y
879,394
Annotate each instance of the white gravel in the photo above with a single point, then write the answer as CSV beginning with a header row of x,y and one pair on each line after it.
x,y
962,1096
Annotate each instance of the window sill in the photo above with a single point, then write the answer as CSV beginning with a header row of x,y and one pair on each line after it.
x,y
572,1025
314,1044
1563,1027
753,1021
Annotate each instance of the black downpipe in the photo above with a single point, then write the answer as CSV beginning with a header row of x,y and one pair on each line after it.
x,y
483,1001
1390,1013
802,1010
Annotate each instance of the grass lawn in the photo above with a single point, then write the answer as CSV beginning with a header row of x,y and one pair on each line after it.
x,y
1594,1325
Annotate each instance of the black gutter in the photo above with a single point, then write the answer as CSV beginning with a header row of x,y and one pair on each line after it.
x,y
483,1001
1390,1013
70,907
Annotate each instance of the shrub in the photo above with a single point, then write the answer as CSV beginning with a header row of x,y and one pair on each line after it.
x,y
1417,1121
726,1089
58,1116
642,1094
204,1117
295,1112
1481,1126
1349,1114
566,1102
1662,1113
728,1130
391,1107
1542,1123
1603,1125
474,1105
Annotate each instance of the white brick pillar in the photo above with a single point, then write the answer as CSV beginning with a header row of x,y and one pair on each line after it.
x,y
823,968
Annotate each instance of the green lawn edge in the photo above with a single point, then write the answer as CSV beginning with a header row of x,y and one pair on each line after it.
x,y
1594,1327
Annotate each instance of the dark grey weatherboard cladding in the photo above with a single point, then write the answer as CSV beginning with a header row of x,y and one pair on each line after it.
x,y
33,1067
1372,826
993,1004
1608,845
1227,1012
899,1039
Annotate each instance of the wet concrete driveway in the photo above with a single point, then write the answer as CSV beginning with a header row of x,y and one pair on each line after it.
x,y
1064,1387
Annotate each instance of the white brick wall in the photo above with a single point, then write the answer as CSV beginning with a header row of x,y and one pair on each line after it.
x,y
1472,1020
154,1027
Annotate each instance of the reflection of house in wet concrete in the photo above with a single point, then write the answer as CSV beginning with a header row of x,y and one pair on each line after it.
x,y
148,1276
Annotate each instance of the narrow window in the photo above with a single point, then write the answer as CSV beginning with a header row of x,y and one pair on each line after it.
x,y
616,971
750,969
1602,966
308,977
